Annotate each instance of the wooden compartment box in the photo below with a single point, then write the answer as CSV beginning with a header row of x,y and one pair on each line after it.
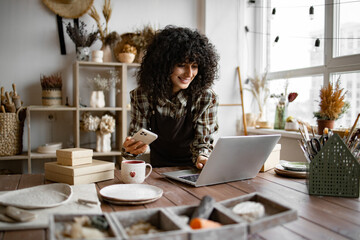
x,y
170,229
57,223
275,213
231,229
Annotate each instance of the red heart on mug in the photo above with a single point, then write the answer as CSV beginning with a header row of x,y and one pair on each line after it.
x,y
132,174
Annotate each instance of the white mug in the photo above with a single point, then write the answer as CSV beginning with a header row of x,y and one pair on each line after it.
x,y
133,171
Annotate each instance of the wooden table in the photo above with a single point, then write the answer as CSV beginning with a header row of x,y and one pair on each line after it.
x,y
319,217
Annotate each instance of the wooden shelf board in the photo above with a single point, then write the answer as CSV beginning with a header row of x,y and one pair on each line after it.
x,y
107,64
15,157
100,109
50,108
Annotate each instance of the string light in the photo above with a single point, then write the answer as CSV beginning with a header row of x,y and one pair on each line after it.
x,y
311,13
273,12
246,29
276,40
317,42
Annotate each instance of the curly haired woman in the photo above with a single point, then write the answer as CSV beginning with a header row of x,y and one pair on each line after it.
x,y
174,99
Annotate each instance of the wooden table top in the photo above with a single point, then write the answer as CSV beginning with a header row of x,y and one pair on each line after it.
x,y
318,217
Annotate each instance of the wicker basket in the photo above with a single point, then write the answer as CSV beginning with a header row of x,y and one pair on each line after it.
x,y
11,132
334,171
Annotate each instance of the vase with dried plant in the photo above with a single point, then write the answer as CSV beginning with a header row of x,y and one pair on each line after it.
x,y
141,40
51,89
107,39
260,91
82,39
332,105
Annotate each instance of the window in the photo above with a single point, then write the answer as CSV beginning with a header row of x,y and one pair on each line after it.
x,y
295,61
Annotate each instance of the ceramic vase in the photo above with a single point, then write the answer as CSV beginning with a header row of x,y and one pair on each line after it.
x,y
83,53
280,116
103,142
97,99
107,53
322,124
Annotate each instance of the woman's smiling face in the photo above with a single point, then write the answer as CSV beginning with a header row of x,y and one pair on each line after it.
x,y
182,75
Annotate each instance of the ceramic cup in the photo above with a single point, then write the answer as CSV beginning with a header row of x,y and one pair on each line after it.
x,y
134,171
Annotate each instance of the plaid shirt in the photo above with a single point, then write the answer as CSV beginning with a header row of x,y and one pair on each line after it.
x,y
204,111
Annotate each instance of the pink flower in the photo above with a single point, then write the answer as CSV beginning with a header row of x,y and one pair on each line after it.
x,y
292,96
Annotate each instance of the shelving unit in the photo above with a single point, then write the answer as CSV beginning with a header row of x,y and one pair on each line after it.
x,y
120,110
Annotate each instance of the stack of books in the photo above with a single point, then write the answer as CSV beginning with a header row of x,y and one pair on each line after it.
x,y
77,166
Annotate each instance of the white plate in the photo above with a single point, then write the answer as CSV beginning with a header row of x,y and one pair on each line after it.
x,y
280,170
295,166
43,196
117,202
131,192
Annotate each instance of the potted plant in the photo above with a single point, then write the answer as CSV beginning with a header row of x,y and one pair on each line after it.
x,y
126,54
51,89
82,40
107,39
332,106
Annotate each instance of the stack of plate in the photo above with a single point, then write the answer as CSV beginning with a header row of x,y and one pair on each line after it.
x,y
292,169
131,194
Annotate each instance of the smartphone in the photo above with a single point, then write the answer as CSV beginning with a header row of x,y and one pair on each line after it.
x,y
145,136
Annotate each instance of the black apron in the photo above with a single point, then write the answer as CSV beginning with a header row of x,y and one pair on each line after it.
x,y
172,147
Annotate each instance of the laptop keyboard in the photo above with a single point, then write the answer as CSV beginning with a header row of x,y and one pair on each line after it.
x,y
192,178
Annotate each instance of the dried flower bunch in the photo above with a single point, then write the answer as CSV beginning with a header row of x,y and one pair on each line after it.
x,y
99,83
80,36
143,37
107,10
259,89
51,82
91,123
332,102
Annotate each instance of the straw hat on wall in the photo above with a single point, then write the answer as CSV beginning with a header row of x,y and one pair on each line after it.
x,y
69,8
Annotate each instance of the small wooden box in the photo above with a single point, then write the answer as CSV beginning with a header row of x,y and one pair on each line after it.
x,y
57,224
74,153
230,229
275,213
170,229
87,173
273,159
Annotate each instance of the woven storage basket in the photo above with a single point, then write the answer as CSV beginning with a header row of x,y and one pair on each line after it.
x,y
11,133
334,171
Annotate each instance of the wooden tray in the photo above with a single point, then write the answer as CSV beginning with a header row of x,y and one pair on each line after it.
x,y
275,213
170,229
231,229
57,221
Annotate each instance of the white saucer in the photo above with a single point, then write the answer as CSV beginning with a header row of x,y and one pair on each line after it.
x,y
116,202
280,170
131,192
295,166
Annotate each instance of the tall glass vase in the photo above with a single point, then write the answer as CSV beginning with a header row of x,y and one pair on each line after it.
x,y
280,116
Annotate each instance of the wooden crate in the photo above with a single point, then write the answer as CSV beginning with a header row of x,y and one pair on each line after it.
x,y
275,213
57,222
231,229
170,229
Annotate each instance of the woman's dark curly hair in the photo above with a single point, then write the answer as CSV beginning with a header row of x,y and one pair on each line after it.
x,y
171,46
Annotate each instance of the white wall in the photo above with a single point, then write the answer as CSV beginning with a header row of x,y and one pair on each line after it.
x,y
29,47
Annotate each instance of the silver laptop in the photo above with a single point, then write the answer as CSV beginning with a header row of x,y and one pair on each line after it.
x,y
233,158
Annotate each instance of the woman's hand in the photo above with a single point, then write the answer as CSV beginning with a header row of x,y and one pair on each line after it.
x,y
201,161
134,147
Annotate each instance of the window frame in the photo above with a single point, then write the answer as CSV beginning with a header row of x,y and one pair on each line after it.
x,y
331,65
